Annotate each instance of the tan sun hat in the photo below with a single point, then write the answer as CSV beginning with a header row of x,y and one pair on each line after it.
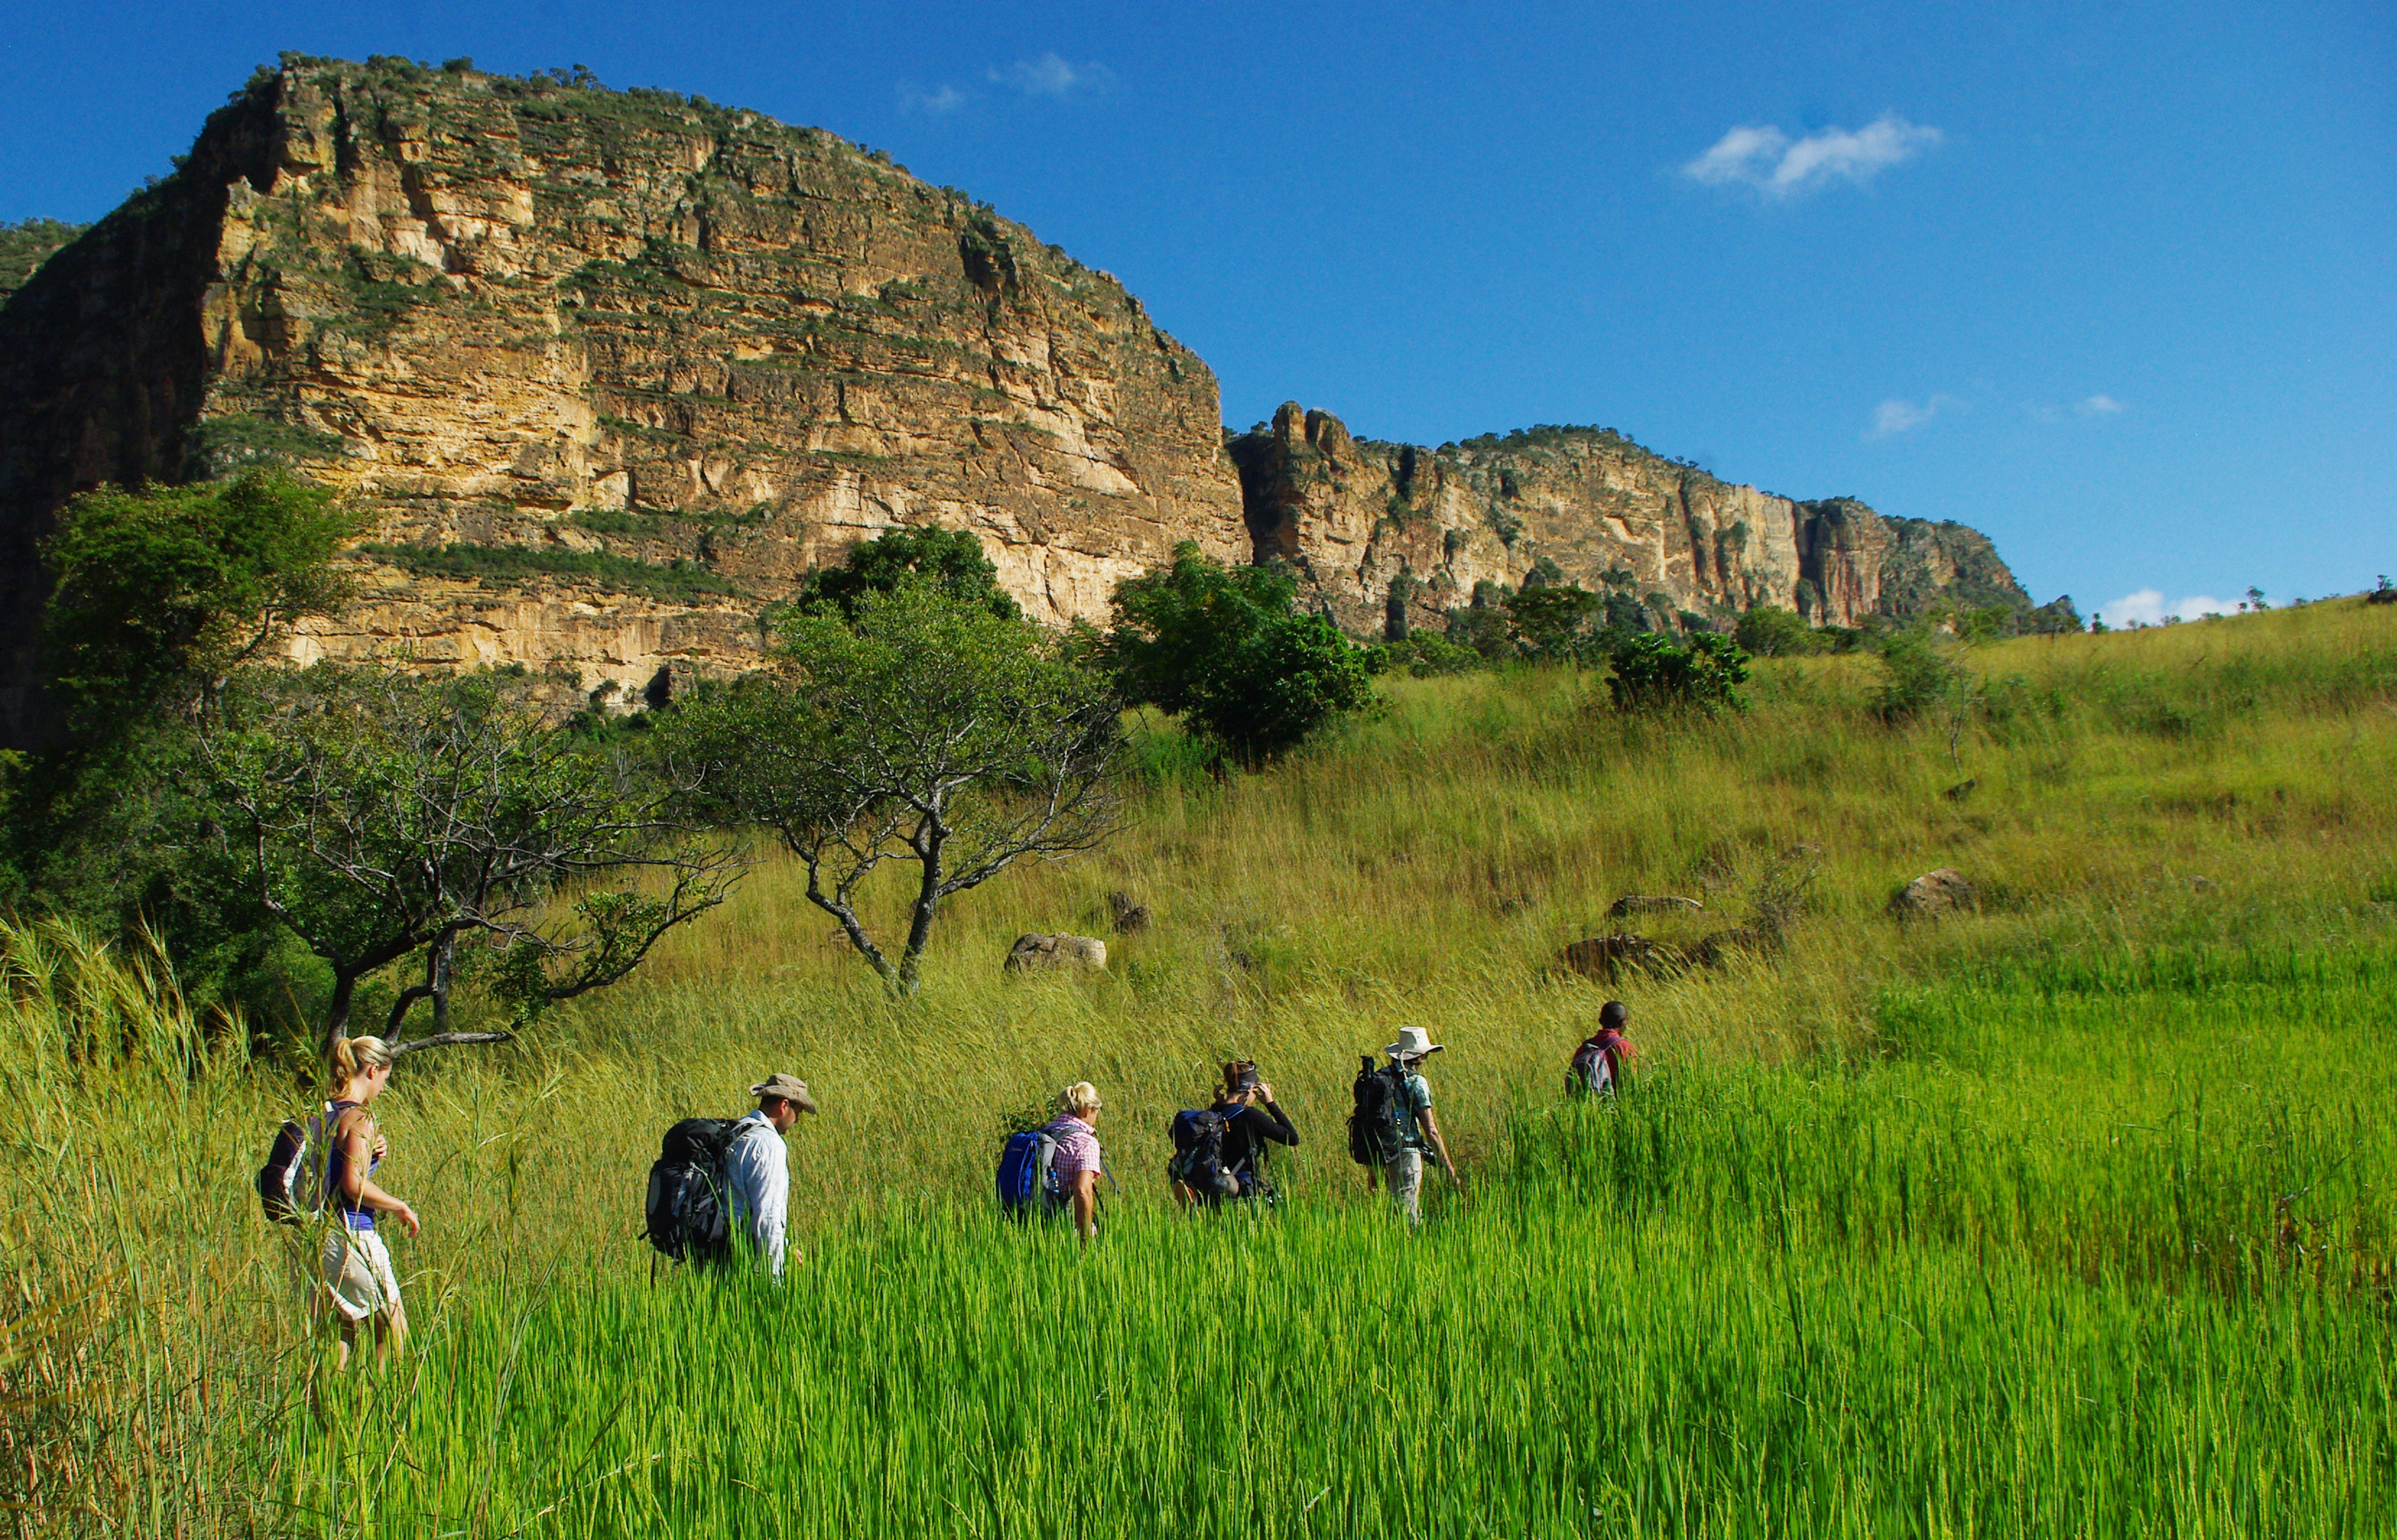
x,y
1413,1043
787,1088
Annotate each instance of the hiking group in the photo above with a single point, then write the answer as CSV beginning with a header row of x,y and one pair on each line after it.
x,y
720,1188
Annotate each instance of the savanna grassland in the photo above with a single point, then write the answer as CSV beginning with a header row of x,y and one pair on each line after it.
x,y
2071,1214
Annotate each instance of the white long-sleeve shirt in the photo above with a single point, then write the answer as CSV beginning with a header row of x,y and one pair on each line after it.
x,y
759,1170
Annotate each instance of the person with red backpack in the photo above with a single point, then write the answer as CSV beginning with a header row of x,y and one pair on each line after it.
x,y
1603,1059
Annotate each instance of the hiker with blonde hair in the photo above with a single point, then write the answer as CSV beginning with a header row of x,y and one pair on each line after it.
x,y
1079,1160
354,1266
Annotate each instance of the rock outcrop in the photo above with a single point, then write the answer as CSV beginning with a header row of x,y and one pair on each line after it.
x,y
1933,894
610,371
564,321
1392,536
1035,953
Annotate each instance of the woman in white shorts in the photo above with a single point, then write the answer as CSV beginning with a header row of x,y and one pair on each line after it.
x,y
355,1266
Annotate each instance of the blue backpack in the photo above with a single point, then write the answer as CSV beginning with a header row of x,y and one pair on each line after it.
x,y
1027,1187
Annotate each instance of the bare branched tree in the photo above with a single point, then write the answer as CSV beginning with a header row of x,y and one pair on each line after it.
x,y
380,815
926,731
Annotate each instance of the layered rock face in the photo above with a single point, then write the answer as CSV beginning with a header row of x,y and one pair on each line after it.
x,y
610,371
1393,536
665,356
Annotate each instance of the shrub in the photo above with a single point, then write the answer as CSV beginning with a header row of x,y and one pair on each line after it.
x,y
1767,633
1918,678
1425,655
1482,630
1651,673
1224,650
952,559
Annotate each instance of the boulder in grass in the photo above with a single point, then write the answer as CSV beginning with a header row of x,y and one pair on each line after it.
x,y
1131,917
1036,953
1932,893
1608,958
1649,903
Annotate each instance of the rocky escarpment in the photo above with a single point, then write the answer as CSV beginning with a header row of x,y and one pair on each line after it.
x,y
608,372
1390,536
625,338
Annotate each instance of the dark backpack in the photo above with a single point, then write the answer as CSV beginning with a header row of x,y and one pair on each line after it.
x,y
1027,1187
1377,1126
285,1190
1197,1161
689,1211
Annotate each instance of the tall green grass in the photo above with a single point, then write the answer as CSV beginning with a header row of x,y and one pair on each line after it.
x,y
2067,1214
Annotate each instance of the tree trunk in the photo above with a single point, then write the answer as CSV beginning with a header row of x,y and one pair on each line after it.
x,y
440,966
337,1014
932,837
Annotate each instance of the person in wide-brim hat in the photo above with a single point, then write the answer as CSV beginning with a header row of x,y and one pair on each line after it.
x,y
1405,1174
757,1166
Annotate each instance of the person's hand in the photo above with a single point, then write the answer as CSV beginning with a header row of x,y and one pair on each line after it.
x,y
1264,1092
407,1221
382,1147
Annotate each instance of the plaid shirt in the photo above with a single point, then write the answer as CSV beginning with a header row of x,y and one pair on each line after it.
x,y
1077,1149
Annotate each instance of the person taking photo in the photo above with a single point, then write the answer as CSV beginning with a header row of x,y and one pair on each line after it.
x,y
1253,1123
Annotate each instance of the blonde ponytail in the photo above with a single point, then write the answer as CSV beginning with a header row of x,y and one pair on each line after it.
x,y
354,1055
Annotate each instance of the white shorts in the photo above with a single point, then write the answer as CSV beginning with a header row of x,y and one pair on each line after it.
x,y
356,1271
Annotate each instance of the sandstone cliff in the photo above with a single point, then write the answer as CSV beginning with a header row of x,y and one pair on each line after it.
x,y
615,335
1396,534
610,371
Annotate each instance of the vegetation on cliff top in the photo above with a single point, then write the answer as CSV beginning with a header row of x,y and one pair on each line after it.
x,y
27,245
514,566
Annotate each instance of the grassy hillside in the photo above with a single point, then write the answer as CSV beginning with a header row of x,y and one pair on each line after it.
x,y
2071,1213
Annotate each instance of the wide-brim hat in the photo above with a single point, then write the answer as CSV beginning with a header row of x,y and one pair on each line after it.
x,y
1413,1043
787,1088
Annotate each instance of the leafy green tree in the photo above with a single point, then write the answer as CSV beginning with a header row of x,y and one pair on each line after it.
x,y
1650,674
159,593
1224,650
1556,623
383,816
951,560
1482,629
168,589
929,731
1765,632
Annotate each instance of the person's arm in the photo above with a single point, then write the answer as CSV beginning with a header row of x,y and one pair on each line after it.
x,y
359,1142
1431,1128
1084,1197
1268,1120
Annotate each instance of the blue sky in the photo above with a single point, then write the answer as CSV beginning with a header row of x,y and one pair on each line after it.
x,y
2115,282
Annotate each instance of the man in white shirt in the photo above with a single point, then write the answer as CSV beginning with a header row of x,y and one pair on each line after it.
x,y
758,1167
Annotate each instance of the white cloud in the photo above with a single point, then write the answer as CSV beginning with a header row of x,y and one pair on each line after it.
x,y
2089,408
1764,158
2147,606
1894,417
939,101
1052,76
